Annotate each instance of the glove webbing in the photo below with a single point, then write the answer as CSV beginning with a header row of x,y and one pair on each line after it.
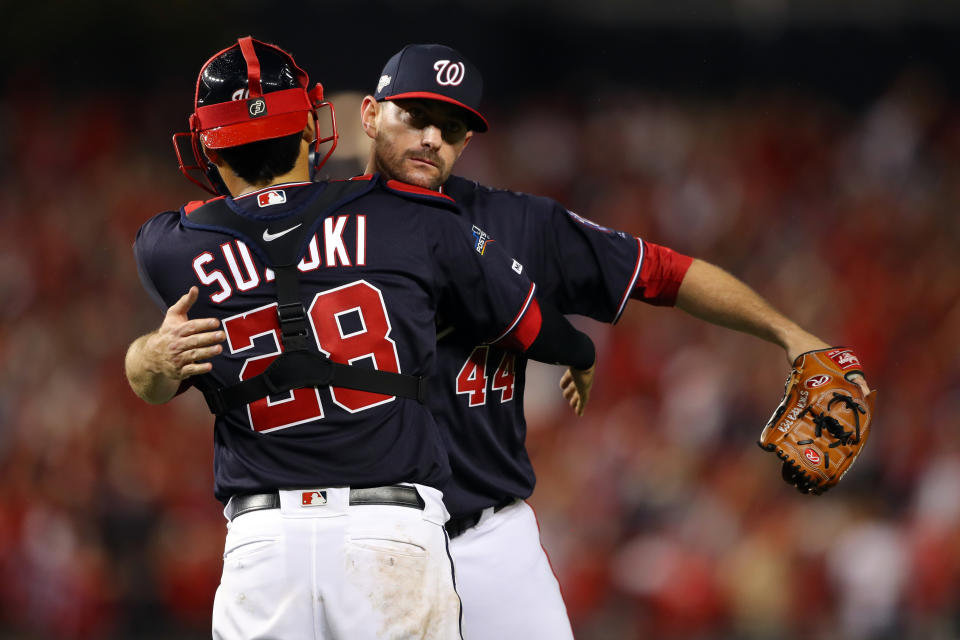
x,y
832,425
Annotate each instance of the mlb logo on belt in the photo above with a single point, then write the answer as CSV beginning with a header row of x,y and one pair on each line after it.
x,y
313,498
274,196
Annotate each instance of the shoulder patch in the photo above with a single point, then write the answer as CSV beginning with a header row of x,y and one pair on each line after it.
x,y
482,239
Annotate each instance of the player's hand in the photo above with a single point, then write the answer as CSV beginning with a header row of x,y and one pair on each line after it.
x,y
862,383
178,349
576,385
801,342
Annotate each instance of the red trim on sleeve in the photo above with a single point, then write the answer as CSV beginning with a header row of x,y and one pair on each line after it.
x,y
525,327
660,276
526,330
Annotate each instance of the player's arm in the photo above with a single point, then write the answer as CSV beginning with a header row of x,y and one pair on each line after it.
x,y
553,340
484,287
542,333
157,363
710,293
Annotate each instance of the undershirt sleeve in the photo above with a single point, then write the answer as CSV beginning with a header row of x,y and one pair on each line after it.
x,y
660,276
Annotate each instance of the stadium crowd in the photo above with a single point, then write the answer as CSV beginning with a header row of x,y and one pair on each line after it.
x,y
661,516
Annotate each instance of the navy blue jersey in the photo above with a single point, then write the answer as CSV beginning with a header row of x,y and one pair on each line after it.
x,y
477,395
376,273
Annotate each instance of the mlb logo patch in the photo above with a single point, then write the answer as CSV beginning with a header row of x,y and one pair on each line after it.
x,y
313,498
267,198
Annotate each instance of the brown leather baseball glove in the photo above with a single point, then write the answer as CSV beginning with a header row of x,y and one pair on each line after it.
x,y
823,420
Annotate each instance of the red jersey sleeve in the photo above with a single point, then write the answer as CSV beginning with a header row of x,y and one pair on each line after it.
x,y
660,276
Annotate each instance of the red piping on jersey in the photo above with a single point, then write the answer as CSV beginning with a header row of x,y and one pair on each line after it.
x,y
193,205
633,282
273,187
524,326
412,188
407,188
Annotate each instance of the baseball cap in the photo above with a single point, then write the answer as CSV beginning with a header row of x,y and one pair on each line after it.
x,y
250,91
434,72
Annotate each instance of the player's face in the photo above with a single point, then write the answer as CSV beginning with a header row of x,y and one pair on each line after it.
x,y
418,141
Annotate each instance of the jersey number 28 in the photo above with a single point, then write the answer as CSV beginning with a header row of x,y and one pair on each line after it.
x,y
368,337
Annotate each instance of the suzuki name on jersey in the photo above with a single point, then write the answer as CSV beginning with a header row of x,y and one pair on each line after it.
x,y
231,267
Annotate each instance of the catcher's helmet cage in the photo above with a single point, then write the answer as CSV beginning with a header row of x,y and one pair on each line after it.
x,y
248,92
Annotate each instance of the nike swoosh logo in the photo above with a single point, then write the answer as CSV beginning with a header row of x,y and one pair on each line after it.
x,y
270,237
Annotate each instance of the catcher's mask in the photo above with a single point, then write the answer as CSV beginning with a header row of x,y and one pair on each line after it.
x,y
250,91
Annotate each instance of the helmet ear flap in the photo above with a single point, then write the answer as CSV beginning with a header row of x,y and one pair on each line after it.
x,y
317,102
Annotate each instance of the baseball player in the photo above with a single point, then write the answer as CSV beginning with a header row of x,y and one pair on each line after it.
x,y
421,117
320,303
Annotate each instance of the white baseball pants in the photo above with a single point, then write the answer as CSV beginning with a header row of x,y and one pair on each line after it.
x,y
333,571
504,578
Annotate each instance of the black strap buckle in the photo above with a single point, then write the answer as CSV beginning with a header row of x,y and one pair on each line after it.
x,y
293,319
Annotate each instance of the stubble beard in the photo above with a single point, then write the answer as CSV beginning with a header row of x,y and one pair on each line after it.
x,y
393,164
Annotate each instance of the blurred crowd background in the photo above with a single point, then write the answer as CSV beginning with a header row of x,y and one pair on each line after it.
x,y
812,149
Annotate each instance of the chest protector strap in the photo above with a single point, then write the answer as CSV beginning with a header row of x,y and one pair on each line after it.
x,y
301,364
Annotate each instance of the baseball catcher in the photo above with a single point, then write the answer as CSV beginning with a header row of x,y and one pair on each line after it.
x,y
823,420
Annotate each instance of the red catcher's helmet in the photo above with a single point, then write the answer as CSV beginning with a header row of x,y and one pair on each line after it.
x,y
250,91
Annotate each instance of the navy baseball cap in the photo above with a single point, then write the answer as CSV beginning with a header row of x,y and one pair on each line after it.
x,y
434,72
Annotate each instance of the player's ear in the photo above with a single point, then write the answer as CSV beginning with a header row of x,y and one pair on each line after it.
x,y
369,110
466,141
310,131
213,156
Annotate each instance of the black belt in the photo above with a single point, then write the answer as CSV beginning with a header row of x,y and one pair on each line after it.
x,y
458,525
395,495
